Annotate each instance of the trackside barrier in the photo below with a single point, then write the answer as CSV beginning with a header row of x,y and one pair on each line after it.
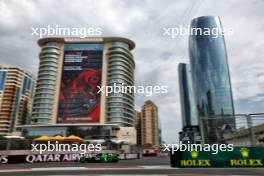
x,y
239,157
52,157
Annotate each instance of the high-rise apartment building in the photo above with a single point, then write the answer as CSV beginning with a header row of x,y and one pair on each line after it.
x,y
16,94
71,93
211,79
150,129
69,72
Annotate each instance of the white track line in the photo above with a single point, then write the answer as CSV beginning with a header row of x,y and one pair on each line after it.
x,y
59,168
15,170
165,167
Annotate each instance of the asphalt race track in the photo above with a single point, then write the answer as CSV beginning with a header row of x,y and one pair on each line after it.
x,y
144,166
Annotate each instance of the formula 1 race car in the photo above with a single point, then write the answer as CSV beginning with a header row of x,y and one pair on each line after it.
x,y
100,158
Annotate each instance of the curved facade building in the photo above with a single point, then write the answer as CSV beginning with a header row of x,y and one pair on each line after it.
x,y
210,74
210,71
121,68
46,83
70,73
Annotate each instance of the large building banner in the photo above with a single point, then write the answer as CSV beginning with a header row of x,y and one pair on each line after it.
x,y
81,74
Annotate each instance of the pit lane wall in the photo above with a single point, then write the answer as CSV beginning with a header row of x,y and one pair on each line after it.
x,y
239,157
27,156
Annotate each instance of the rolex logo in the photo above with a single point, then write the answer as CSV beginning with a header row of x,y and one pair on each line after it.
x,y
194,154
244,152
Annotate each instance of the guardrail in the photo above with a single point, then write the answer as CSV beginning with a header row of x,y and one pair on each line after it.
x,y
27,156
240,129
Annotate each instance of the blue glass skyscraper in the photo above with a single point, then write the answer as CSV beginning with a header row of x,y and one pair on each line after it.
x,y
190,124
211,79
188,108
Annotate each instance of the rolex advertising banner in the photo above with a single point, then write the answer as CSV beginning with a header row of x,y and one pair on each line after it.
x,y
239,157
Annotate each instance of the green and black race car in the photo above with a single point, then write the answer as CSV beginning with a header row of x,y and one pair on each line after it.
x,y
100,158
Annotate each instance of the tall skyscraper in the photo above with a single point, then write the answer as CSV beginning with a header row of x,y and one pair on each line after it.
x,y
16,94
211,79
188,108
190,124
71,96
138,125
150,131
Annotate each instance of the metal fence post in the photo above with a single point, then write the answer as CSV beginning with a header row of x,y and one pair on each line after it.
x,y
8,144
201,125
251,130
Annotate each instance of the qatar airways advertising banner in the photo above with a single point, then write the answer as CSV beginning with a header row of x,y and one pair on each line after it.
x,y
78,99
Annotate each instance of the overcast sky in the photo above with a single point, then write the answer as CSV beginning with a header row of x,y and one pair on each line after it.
x,y
156,56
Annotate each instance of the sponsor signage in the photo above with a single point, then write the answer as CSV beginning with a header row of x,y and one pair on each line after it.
x,y
54,157
239,157
36,158
79,100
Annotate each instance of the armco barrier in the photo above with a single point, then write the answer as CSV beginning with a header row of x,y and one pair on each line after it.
x,y
30,157
239,157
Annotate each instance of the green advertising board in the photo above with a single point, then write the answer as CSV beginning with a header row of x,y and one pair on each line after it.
x,y
239,157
